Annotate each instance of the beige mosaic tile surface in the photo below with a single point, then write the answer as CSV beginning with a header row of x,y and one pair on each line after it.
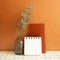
x,y
10,55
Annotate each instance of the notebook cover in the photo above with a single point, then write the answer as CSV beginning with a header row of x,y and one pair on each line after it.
x,y
32,46
38,29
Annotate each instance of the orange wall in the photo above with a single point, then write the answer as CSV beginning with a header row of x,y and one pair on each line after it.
x,y
45,11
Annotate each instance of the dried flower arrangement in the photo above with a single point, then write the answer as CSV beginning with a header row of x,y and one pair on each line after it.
x,y
23,22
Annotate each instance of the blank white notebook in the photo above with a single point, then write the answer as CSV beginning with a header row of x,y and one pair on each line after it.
x,y
32,46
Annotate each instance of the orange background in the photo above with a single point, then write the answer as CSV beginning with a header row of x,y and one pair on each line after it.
x,y
45,11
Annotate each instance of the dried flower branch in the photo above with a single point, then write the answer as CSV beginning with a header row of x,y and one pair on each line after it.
x,y
25,18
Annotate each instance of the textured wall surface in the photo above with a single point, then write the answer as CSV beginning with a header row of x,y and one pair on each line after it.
x,y
45,11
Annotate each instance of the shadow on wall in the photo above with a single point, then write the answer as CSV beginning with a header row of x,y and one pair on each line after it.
x,y
10,13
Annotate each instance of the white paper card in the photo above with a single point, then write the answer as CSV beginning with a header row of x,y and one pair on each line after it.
x,y
32,46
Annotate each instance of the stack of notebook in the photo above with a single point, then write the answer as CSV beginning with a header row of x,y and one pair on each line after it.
x,y
34,44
